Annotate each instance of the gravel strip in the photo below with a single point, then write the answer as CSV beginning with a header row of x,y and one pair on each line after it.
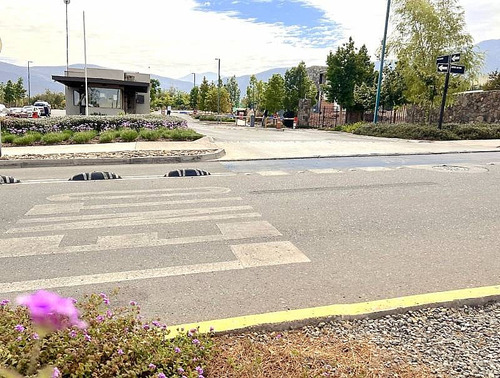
x,y
109,155
457,342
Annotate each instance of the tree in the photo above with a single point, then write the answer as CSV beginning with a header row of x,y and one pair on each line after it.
x,y
424,30
155,91
2,92
57,100
348,68
203,92
393,87
234,91
255,92
493,82
274,94
193,97
212,100
365,96
9,93
19,90
298,85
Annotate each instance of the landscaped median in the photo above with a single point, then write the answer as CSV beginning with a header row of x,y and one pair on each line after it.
x,y
94,129
424,132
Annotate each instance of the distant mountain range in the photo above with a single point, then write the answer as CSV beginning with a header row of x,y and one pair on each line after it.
x,y
41,76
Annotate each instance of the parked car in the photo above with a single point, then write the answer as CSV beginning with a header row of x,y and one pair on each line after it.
x,y
45,106
31,110
3,110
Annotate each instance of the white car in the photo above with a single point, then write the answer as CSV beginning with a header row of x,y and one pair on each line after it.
x,y
3,110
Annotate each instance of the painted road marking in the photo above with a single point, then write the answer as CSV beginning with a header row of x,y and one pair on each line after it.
x,y
136,194
252,257
325,171
349,310
273,173
67,208
375,169
121,221
44,245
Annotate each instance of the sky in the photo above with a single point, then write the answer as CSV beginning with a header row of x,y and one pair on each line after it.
x,y
174,38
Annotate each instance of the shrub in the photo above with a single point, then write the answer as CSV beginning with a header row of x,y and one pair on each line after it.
x,y
8,138
406,131
83,136
350,128
214,117
179,134
128,135
54,138
36,135
107,137
114,342
25,140
150,134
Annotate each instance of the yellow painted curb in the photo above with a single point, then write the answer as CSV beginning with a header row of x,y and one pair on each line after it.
x,y
339,310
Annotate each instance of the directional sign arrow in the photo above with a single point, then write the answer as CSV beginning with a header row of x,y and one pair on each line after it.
x,y
455,58
442,67
443,59
457,69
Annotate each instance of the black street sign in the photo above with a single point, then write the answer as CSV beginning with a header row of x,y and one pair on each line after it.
x,y
443,59
456,69
443,68
455,58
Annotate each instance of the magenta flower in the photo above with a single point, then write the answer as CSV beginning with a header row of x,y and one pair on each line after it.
x,y
133,303
145,326
4,302
161,375
212,329
35,336
72,334
177,350
199,370
88,338
99,318
152,366
19,328
49,310
180,370
120,352
105,298
196,342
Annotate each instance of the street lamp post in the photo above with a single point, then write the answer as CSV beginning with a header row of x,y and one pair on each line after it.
x,y
380,73
67,37
218,87
29,82
194,79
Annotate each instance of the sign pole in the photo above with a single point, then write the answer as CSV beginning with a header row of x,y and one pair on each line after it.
x,y
380,73
443,102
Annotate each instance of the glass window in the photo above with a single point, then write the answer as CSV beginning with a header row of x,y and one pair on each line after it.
x,y
109,98
76,98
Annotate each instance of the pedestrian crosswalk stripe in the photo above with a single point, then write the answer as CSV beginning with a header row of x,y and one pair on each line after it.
x,y
325,171
273,173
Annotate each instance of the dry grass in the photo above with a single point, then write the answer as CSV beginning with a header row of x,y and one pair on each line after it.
x,y
295,354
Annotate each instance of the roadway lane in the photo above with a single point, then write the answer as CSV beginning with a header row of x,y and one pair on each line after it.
x,y
195,249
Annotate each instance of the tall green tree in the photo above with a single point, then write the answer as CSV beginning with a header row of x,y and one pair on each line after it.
x,y
298,85
9,93
493,82
57,100
193,97
202,95
393,87
274,94
212,100
19,90
347,68
234,91
155,90
255,93
2,92
424,30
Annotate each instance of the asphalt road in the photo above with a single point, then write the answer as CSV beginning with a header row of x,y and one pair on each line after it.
x,y
249,240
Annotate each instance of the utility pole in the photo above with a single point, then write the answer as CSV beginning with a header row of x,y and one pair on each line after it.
x,y
67,37
29,83
194,79
218,88
380,73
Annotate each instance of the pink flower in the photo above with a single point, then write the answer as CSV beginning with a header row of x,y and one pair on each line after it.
x,y
49,310
133,303
152,366
4,302
120,352
177,350
99,318
56,373
88,338
105,298
19,328
196,342
35,336
72,334
161,375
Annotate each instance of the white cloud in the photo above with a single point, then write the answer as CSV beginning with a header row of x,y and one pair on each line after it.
x,y
174,39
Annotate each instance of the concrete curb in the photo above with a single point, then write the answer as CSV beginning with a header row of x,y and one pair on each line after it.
x,y
363,155
284,320
111,161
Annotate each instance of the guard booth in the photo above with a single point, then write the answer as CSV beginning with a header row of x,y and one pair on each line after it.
x,y
240,116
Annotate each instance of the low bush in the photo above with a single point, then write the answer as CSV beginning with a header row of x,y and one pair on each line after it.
x,y
25,140
54,138
406,131
8,138
150,135
179,134
83,136
107,137
36,135
214,117
93,340
129,135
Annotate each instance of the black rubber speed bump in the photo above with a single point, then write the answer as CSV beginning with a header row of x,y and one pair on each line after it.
x,y
95,176
187,172
8,180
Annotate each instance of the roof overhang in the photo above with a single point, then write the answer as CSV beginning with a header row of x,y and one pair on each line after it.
x,y
73,81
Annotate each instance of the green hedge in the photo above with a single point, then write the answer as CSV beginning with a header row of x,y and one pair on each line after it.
x,y
214,117
431,132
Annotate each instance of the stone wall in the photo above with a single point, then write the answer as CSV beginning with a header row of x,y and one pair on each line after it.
x,y
304,113
471,107
474,107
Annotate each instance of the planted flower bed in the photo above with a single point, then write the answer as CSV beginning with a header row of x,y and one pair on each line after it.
x,y
94,129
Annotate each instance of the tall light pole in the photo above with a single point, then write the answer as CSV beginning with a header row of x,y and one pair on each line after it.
x,y
29,82
218,87
380,73
194,79
67,37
